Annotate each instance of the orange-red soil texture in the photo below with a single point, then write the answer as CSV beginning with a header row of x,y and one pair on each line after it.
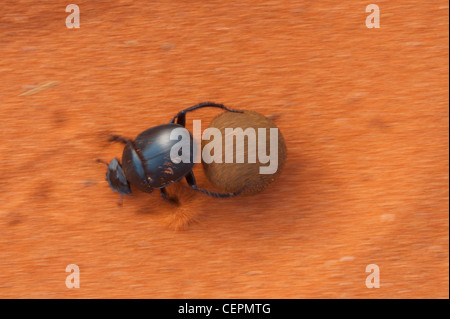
x,y
364,113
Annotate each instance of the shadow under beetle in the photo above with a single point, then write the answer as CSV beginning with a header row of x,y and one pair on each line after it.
x,y
146,163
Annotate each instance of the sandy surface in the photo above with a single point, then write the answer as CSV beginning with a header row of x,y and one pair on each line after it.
x,y
364,113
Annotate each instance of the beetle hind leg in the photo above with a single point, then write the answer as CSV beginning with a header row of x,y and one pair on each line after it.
x,y
193,184
181,116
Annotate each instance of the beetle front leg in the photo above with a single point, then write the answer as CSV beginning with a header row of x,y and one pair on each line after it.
x,y
118,138
193,184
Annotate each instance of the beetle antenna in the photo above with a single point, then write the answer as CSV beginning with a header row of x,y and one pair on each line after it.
x,y
120,203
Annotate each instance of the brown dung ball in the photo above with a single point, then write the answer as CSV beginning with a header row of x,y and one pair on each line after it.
x,y
231,177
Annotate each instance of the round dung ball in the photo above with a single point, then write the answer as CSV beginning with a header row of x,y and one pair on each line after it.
x,y
247,176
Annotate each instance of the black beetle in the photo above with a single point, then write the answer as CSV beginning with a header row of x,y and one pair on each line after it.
x,y
146,161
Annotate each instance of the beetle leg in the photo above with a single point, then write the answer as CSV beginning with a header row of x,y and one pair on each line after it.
x,y
181,119
181,116
167,197
99,160
118,138
193,184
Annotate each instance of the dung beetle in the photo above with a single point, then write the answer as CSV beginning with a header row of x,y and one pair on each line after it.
x,y
147,164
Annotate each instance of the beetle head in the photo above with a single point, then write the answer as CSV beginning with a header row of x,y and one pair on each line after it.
x,y
116,178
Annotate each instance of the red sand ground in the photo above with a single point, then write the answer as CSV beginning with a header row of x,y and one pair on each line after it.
x,y
364,113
